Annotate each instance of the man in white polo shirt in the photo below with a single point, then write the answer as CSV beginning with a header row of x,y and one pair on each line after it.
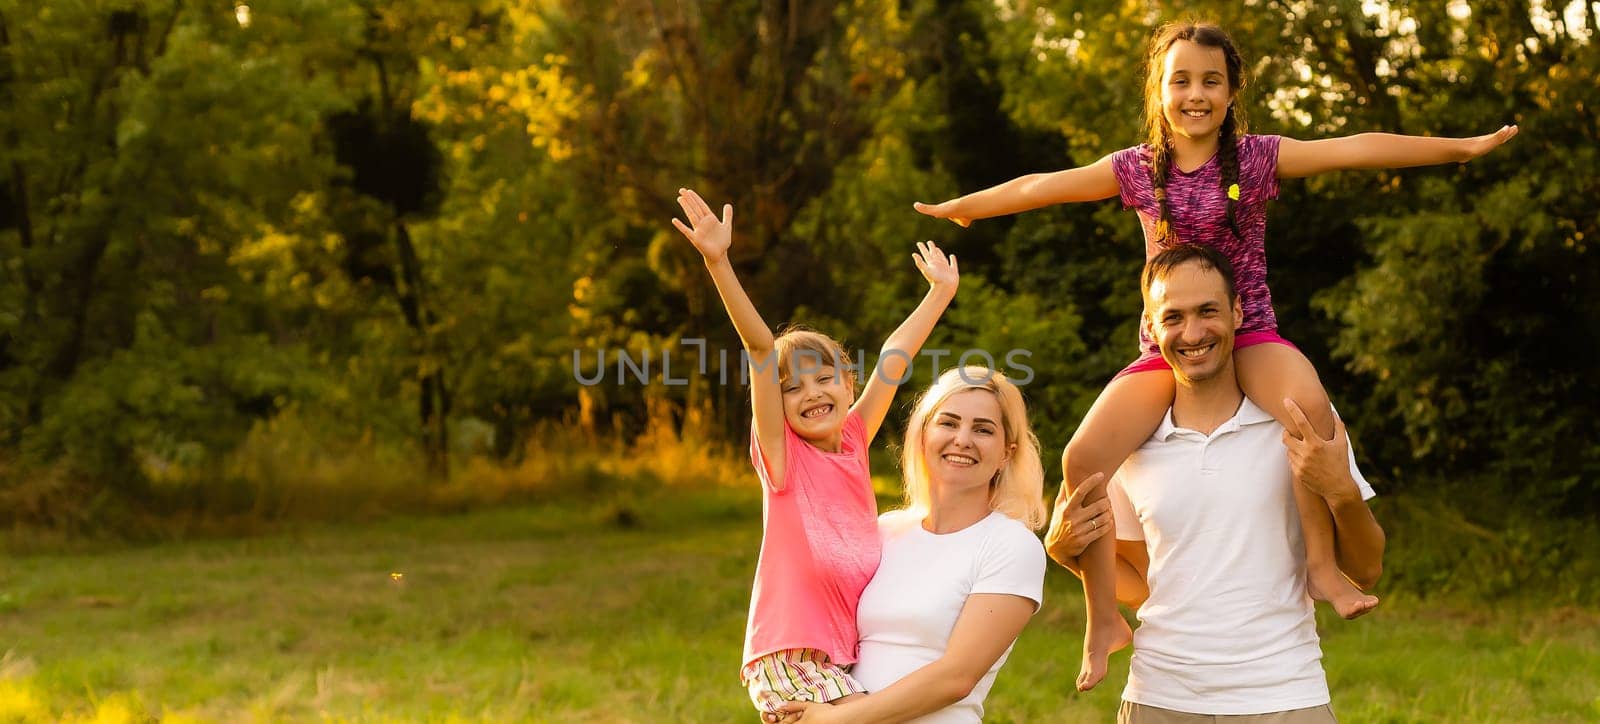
x,y
1208,539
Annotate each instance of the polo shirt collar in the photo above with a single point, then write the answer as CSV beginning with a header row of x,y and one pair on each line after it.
x,y
1248,414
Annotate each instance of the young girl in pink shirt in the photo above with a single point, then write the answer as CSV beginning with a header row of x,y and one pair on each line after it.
x,y
809,441
1201,178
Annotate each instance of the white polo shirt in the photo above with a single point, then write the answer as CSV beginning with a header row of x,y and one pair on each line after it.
x,y
1228,627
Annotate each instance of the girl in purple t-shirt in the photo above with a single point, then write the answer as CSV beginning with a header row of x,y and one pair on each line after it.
x,y
809,440
1201,179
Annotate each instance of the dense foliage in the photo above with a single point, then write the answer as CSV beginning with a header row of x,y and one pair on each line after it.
x,y
398,220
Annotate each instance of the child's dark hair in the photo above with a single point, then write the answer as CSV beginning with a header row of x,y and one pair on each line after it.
x,y
1158,134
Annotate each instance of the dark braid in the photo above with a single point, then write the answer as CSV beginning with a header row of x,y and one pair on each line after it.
x,y
1228,154
1160,161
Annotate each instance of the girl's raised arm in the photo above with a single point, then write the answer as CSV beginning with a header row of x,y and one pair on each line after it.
x,y
902,347
1297,159
1025,193
712,237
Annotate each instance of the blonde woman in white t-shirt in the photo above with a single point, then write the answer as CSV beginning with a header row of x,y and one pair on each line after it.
x,y
962,571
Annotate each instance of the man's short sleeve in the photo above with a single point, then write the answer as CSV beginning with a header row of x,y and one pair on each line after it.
x,y
1128,527
1367,493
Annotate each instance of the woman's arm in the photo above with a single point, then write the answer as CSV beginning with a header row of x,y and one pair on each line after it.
x,y
1074,525
1297,159
902,347
1025,193
988,625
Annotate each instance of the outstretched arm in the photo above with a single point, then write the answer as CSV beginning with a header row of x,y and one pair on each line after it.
x,y
1323,466
902,347
1298,159
988,625
1025,193
712,237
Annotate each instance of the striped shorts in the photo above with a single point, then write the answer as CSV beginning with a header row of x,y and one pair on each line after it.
x,y
796,675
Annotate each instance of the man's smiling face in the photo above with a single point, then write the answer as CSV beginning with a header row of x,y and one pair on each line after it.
x,y
1190,315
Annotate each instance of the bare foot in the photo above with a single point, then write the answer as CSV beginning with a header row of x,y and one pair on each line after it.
x,y
1098,643
1331,586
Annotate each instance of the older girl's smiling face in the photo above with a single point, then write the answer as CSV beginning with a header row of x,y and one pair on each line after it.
x,y
1195,92
965,442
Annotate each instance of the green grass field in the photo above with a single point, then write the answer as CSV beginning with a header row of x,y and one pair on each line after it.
x,y
595,610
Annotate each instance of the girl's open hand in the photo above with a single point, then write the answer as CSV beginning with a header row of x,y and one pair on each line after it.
x,y
1479,145
941,211
710,236
940,271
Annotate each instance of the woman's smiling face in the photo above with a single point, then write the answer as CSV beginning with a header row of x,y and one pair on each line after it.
x,y
965,442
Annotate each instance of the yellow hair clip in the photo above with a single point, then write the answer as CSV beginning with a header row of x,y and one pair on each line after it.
x,y
1233,192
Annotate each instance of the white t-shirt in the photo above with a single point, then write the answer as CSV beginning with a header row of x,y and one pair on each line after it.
x,y
910,608
1228,627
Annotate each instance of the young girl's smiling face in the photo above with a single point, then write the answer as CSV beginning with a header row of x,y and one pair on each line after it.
x,y
816,400
1195,91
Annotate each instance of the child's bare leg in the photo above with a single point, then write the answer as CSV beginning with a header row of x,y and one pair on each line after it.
x,y
1327,582
1269,373
1125,415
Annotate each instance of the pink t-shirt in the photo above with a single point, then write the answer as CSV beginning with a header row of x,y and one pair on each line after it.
x,y
819,547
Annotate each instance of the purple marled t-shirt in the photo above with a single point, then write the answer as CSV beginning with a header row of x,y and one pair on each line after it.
x,y
1198,205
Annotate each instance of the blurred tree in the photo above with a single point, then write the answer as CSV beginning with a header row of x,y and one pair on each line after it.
x,y
392,216
143,141
392,181
515,237
754,104
1470,321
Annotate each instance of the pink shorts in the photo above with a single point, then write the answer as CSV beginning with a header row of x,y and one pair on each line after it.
x,y
1151,359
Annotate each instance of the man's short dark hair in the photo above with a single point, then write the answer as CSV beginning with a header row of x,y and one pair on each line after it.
x,y
1162,265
